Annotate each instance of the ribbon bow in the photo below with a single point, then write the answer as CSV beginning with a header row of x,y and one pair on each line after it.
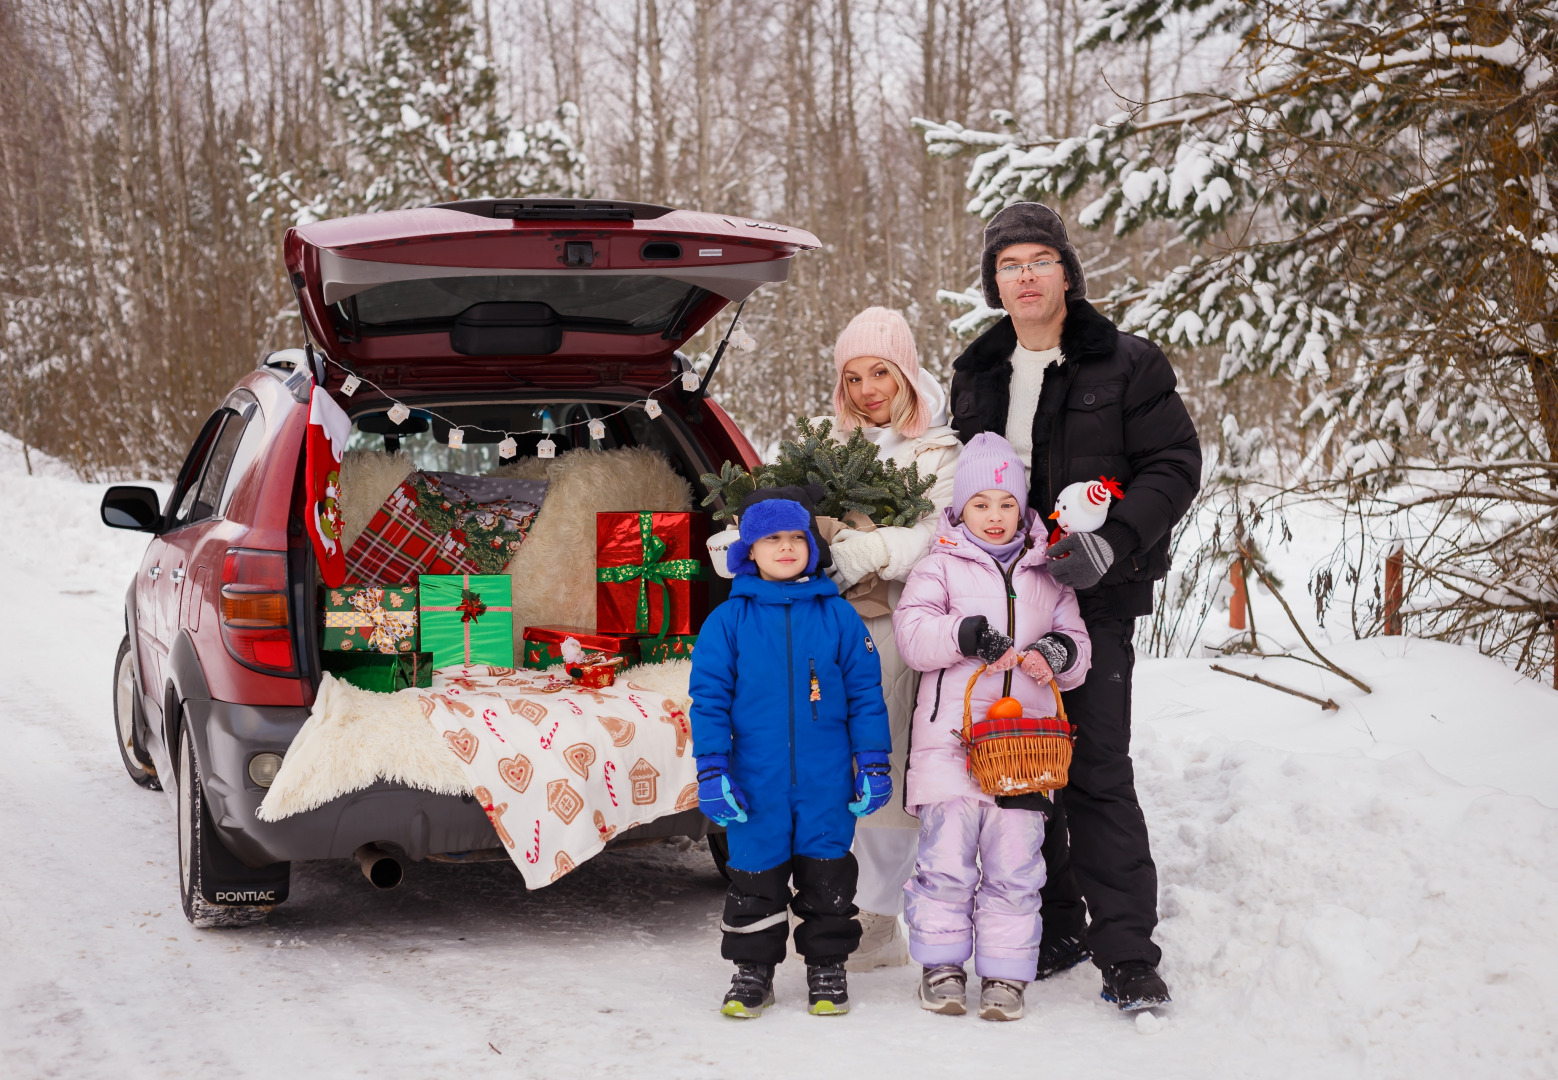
x,y
389,627
656,569
471,608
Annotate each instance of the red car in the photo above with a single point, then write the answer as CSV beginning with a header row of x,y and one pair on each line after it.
x,y
494,312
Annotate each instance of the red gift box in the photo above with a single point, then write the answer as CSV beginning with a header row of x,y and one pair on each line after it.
x,y
651,572
544,644
595,672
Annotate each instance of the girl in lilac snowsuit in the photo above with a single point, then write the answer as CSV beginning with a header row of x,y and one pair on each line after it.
x,y
982,589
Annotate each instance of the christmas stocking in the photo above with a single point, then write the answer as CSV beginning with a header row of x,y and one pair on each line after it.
x,y
328,428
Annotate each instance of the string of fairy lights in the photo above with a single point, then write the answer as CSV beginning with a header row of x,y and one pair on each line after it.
x,y
399,412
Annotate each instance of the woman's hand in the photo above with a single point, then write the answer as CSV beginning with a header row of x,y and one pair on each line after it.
x,y
856,554
1036,667
1008,661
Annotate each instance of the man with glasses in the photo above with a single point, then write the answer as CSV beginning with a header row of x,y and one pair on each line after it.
x,y
1080,400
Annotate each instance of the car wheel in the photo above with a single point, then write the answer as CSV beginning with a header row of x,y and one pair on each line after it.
x,y
128,721
202,857
719,847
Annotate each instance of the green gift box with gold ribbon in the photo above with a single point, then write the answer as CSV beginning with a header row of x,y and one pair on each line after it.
x,y
651,573
467,619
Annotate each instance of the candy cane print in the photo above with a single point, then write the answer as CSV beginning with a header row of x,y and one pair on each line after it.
x,y
535,855
574,706
609,768
639,707
488,716
546,740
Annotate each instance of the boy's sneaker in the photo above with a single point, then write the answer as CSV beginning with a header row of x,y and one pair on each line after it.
x,y
942,989
1134,985
1059,955
882,943
827,989
751,991
1000,999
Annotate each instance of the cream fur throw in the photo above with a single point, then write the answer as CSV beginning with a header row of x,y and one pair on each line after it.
x,y
554,571
354,738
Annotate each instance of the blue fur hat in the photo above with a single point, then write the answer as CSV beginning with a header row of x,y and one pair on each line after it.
x,y
765,516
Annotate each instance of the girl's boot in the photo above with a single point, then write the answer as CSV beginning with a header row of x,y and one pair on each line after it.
x,y
1000,999
943,988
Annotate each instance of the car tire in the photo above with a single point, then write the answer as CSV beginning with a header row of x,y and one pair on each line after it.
x,y
719,847
129,721
202,859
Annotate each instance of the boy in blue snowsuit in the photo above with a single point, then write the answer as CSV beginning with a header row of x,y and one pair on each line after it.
x,y
791,736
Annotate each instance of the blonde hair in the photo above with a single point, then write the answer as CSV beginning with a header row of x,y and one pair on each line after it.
x,y
904,417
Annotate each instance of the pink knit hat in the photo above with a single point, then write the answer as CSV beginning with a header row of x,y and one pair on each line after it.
x,y
879,331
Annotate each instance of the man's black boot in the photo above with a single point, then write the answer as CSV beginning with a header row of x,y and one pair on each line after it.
x,y
1134,985
1059,955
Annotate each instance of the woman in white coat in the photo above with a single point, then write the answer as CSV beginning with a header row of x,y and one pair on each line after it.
x,y
902,409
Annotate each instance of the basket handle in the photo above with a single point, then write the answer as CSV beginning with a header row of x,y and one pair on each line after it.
x,y
968,703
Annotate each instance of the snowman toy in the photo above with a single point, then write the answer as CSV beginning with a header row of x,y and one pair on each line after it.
x,y
1083,507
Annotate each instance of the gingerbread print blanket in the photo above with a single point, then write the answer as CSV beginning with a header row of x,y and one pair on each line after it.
x,y
560,769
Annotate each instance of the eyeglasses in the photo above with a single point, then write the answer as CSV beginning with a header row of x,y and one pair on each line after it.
x,y
1041,268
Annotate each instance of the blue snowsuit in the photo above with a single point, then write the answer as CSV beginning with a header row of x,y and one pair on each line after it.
x,y
759,655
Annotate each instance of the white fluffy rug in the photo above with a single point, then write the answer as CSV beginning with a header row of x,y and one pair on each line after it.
x,y
554,571
354,738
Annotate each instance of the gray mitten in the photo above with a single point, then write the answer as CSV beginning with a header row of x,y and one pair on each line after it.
x,y
976,637
1080,559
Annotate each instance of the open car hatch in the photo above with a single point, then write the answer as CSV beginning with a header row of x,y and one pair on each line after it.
x,y
438,294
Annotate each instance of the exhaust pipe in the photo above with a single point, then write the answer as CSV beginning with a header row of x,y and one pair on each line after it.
x,y
379,866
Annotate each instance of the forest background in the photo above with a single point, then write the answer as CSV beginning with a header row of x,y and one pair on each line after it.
x,y
1333,216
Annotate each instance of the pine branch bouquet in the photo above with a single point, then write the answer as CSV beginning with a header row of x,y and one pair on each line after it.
x,y
852,476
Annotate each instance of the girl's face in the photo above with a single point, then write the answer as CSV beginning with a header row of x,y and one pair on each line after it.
x,y
993,516
869,382
781,556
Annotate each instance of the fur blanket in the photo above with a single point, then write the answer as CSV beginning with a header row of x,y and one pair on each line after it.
x,y
554,570
354,738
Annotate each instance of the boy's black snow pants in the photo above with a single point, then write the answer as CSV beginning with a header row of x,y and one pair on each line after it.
x,y
1108,861
757,923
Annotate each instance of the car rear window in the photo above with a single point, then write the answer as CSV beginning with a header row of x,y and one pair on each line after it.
x,y
622,303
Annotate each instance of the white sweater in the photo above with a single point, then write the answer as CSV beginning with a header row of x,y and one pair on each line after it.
x,y
1028,369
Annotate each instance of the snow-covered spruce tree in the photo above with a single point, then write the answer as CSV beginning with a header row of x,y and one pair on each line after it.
x,y
423,125
1368,211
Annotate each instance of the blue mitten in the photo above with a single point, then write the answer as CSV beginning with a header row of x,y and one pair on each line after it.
x,y
873,783
718,796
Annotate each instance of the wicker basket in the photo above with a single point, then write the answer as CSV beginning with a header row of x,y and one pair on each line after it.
x,y
1020,755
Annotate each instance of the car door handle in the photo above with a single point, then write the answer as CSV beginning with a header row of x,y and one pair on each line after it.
x,y
178,574
154,572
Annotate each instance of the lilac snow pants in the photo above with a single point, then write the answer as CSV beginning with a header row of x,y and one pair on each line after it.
x,y
953,912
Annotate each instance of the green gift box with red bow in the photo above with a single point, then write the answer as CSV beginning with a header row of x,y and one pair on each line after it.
x,y
651,574
467,619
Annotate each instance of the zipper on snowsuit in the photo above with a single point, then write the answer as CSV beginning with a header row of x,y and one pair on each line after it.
x,y
816,688
1011,621
789,670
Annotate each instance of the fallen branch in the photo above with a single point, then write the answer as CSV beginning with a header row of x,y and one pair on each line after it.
x,y
1325,703
1266,580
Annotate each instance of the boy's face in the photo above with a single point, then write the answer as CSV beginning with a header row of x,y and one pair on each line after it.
x,y
782,555
993,516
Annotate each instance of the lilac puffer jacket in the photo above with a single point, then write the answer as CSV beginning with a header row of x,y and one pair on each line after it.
x,y
954,581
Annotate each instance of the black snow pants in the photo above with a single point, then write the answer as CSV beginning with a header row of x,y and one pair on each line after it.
x,y
757,923
1108,862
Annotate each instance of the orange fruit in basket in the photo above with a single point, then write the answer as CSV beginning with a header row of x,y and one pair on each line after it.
x,y
1007,708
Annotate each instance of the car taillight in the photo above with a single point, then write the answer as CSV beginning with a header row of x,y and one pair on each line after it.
x,y
255,624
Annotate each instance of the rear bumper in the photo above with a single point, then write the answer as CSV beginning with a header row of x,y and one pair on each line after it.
x,y
419,822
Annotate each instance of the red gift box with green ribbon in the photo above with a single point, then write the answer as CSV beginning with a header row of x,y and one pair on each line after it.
x,y
651,574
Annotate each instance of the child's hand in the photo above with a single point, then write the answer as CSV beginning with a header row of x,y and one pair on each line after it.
x,y
873,783
1035,666
1010,659
718,796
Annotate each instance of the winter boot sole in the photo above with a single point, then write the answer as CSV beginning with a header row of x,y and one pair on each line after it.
x,y
1136,1005
829,1008
1000,1012
741,1012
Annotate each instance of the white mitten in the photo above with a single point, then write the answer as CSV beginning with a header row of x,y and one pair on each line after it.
x,y
856,554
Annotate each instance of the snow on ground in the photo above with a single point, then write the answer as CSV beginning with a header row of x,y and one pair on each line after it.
x,y
1371,892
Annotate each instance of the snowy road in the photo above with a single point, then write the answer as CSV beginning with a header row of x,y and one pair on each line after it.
x,y
1333,906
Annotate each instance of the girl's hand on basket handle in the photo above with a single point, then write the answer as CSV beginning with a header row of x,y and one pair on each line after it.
x,y
1036,667
1010,659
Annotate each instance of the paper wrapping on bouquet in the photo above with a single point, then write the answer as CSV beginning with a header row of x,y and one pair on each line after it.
x,y
467,619
380,672
671,647
651,575
543,645
562,769
428,525
375,618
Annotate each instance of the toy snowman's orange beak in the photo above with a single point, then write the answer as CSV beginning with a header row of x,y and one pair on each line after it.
x,y
1055,516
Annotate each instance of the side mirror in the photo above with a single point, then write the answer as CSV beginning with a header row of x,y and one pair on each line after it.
x,y
126,507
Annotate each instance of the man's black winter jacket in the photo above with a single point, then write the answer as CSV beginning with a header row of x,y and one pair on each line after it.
x,y
1109,408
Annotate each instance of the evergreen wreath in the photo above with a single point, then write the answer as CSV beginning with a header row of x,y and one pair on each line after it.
x,y
853,478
